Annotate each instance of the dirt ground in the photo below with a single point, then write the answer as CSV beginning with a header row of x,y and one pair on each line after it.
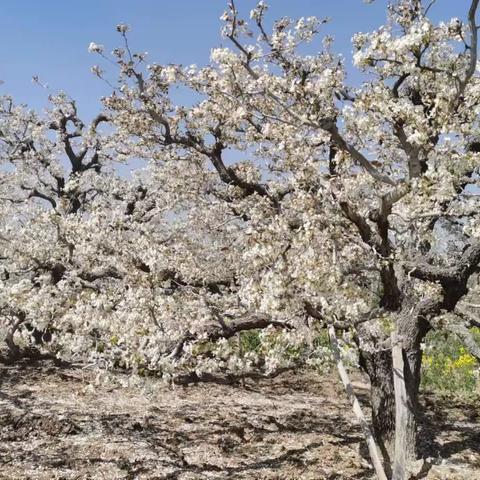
x,y
55,425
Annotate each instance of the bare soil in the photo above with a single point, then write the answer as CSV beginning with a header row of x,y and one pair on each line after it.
x,y
55,424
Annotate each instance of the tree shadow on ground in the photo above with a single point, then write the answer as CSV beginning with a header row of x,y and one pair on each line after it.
x,y
448,426
293,427
283,425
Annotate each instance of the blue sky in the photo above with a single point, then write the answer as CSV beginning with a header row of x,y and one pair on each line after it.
x,y
49,38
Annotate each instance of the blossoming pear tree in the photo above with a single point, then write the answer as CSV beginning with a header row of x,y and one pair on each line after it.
x,y
54,179
283,200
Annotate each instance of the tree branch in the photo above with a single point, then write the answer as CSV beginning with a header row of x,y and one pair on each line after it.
x,y
473,47
357,157
223,330
458,273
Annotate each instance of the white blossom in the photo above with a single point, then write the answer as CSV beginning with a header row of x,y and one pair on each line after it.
x,y
95,48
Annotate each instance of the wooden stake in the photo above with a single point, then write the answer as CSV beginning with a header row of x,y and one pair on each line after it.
x,y
401,413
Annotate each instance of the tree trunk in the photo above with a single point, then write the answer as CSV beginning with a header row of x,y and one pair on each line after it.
x,y
371,444
378,367
407,369
410,330
13,349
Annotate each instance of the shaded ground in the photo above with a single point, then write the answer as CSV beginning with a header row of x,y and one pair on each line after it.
x,y
55,425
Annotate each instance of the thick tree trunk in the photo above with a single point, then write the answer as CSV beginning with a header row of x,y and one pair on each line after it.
x,y
379,367
375,455
410,329
406,374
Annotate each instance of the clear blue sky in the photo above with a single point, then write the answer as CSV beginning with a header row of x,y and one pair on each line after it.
x,y
49,38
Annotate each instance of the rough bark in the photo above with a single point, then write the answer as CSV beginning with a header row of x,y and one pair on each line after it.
x,y
406,381
372,446
412,336
378,366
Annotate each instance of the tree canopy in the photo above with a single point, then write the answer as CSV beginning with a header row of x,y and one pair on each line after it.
x,y
283,200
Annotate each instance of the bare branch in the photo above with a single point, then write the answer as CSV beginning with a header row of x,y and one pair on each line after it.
x,y
458,273
429,6
464,334
101,117
357,157
224,330
340,324
468,316
36,193
361,223
458,324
